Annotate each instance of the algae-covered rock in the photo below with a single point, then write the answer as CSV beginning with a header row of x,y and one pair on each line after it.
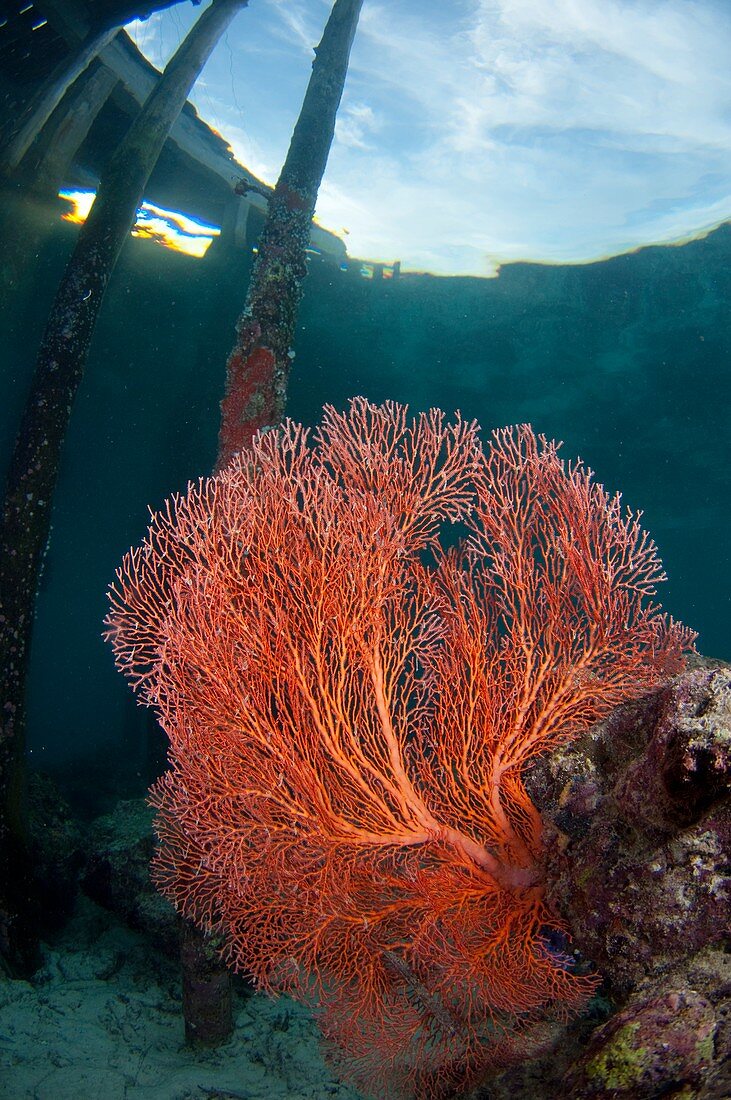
x,y
638,853
638,864
662,1046
117,874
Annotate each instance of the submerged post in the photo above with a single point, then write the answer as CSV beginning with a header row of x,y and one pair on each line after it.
x,y
25,523
258,368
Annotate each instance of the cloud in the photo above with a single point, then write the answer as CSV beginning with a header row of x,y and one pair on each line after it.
x,y
354,122
249,152
486,130
634,68
556,132
298,23
147,36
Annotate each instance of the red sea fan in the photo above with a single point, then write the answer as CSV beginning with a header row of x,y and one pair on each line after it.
x,y
350,709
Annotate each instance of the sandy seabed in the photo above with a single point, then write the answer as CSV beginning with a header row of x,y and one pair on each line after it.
x,y
101,1020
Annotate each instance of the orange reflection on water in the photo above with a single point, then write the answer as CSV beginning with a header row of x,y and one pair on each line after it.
x,y
170,228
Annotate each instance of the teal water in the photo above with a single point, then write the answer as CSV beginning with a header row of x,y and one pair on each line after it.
x,y
626,360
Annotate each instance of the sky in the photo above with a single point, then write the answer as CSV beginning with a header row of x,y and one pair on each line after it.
x,y
476,132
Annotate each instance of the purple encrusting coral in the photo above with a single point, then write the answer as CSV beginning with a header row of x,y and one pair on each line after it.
x,y
639,865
